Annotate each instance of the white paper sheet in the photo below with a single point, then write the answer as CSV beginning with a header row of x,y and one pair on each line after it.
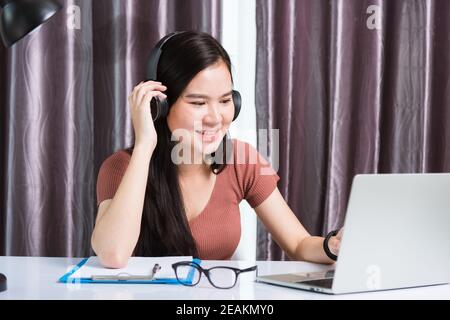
x,y
138,266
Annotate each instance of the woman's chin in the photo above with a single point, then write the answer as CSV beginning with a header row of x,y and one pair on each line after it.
x,y
208,147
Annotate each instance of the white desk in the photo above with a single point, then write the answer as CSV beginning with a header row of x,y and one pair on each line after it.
x,y
36,278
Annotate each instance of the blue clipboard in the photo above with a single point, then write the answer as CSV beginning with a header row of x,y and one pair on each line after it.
x,y
66,278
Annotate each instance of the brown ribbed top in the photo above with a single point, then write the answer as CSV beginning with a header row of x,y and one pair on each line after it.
x,y
217,229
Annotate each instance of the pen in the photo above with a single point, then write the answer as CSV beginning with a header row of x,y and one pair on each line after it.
x,y
126,276
156,268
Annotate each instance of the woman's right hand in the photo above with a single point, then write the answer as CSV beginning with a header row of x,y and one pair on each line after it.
x,y
139,102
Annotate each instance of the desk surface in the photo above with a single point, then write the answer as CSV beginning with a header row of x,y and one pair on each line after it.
x,y
36,278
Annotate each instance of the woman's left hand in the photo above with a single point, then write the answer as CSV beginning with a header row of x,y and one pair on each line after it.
x,y
335,242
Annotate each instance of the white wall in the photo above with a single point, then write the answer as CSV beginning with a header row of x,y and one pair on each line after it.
x,y
239,39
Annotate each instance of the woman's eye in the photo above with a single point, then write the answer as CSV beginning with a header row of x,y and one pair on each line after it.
x,y
203,103
198,103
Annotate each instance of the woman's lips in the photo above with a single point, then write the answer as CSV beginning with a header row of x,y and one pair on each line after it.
x,y
208,135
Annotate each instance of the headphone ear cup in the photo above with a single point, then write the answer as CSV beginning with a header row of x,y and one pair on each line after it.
x,y
237,103
159,108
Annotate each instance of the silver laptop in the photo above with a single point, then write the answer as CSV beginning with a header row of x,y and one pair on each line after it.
x,y
396,235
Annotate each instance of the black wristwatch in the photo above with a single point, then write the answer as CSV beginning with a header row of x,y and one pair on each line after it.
x,y
325,245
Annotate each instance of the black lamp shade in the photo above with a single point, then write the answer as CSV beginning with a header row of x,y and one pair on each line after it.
x,y
19,17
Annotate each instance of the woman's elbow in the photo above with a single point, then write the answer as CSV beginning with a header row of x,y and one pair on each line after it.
x,y
113,260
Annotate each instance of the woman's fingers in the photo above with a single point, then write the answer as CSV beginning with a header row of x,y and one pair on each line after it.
x,y
154,90
340,233
146,88
149,88
139,101
149,96
335,244
143,84
134,93
136,88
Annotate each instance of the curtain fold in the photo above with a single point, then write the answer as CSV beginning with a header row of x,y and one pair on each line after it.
x,y
349,98
64,109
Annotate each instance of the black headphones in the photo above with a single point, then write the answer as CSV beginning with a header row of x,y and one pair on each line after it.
x,y
160,107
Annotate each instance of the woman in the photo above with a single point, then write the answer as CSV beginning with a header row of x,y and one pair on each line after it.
x,y
152,204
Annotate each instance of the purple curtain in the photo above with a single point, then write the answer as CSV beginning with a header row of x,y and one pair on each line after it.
x,y
63,110
354,86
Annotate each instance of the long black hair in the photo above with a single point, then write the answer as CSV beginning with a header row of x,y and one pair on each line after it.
x,y
164,227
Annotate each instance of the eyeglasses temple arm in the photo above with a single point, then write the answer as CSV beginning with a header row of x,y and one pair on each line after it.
x,y
250,269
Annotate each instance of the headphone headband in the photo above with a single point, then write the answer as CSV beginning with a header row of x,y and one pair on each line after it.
x,y
152,66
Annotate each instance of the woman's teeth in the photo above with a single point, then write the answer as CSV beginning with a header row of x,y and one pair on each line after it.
x,y
208,132
208,135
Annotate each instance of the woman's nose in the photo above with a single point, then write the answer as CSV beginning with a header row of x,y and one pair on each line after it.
x,y
213,115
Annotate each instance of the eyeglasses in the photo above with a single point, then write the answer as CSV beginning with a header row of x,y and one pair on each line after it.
x,y
189,273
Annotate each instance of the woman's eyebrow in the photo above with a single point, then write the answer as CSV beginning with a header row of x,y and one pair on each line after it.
x,y
197,95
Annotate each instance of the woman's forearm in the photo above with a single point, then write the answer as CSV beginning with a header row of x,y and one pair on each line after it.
x,y
117,231
311,249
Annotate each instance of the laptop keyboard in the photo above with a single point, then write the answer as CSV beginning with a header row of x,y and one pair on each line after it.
x,y
326,282
323,283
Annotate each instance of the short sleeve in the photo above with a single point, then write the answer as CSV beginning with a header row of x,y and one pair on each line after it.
x,y
110,175
256,177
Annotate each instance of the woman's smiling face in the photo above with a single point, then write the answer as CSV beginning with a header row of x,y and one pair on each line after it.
x,y
204,111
